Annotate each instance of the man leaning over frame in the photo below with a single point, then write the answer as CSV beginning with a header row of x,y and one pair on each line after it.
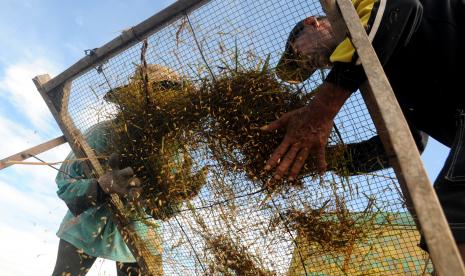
x,y
420,44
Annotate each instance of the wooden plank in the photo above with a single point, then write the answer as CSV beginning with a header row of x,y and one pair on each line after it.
x,y
340,30
78,138
367,94
25,154
149,263
125,40
396,136
70,137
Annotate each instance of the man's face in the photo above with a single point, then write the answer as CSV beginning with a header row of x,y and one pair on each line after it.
x,y
315,43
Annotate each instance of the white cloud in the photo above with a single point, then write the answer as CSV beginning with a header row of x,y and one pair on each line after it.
x,y
33,206
31,211
17,88
27,252
15,137
33,251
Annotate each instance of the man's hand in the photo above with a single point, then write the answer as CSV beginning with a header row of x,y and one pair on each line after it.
x,y
307,134
308,129
121,182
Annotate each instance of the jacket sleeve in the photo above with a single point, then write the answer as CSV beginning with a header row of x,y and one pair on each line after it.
x,y
390,25
77,190
367,156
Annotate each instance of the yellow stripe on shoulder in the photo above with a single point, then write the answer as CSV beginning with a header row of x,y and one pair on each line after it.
x,y
345,51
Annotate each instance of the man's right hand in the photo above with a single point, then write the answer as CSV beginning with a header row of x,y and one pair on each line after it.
x,y
307,132
121,182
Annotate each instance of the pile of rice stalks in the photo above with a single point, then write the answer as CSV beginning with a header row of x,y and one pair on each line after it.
x,y
232,259
336,232
158,128
153,136
239,102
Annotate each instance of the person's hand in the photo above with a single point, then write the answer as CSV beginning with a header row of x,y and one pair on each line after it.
x,y
307,134
121,182
308,129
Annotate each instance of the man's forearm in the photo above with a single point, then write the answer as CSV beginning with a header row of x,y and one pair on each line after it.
x,y
330,98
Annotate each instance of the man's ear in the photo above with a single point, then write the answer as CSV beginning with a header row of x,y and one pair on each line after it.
x,y
312,21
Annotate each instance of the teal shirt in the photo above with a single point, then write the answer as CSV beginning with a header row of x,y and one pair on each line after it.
x,y
93,230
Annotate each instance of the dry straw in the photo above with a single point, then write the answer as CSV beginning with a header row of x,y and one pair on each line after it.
x,y
334,230
239,102
152,133
167,128
162,120
232,258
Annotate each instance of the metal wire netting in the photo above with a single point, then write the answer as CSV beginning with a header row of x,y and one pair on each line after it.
x,y
233,222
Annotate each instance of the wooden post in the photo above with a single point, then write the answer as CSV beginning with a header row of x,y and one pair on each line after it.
x,y
150,263
397,139
340,31
25,154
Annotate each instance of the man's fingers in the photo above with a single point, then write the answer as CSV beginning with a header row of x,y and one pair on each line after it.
x,y
277,154
287,161
281,122
320,160
126,172
298,163
114,161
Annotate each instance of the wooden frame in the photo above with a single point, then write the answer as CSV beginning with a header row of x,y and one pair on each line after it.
x,y
150,264
55,93
398,142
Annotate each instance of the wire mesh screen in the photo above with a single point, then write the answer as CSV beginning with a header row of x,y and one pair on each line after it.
x,y
231,219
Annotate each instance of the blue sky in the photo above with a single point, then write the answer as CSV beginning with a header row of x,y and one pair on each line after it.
x,y
44,36
47,36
